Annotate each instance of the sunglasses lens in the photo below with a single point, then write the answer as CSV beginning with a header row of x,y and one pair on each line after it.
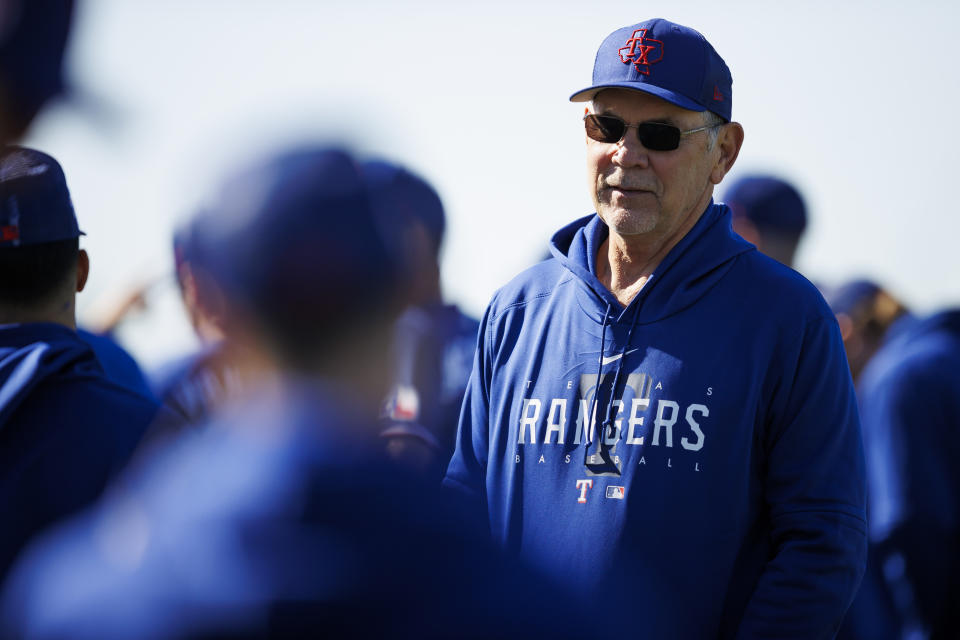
x,y
604,128
659,137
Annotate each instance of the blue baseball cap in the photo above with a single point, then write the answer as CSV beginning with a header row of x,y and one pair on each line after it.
x,y
850,295
35,204
768,202
664,59
294,239
401,197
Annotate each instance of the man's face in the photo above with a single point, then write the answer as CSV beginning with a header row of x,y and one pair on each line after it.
x,y
638,191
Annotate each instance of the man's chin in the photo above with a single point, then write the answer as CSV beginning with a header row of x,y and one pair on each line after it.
x,y
630,223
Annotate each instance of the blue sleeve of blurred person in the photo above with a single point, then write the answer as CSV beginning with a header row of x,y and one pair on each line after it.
x,y
433,355
910,403
117,363
466,471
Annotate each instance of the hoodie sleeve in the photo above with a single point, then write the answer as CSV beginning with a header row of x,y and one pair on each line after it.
x,y
466,472
814,490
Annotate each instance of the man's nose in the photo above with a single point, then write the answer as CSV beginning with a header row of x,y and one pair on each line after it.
x,y
630,151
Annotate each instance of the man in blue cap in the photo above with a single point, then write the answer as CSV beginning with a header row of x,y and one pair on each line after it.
x,y
660,402
65,428
769,212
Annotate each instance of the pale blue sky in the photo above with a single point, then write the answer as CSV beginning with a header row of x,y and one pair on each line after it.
x,y
854,101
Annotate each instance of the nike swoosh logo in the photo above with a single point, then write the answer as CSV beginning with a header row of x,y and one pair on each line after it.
x,y
610,359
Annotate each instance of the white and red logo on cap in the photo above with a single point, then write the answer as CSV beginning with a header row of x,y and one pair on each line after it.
x,y
641,51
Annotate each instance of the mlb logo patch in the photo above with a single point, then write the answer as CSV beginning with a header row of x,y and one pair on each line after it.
x,y
615,493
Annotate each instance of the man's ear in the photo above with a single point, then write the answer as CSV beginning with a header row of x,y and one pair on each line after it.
x,y
729,141
83,269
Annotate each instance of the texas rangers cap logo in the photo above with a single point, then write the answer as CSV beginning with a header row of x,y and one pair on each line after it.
x,y
641,51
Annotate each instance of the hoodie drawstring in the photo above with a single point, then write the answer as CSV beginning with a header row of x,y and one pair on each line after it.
x,y
607,423
608,420
596,387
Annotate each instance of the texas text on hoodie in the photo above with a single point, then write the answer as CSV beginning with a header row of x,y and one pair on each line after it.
x,y
729,488
65,429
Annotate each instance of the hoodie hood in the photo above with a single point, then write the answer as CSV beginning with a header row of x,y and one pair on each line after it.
x,y
31,353
688,271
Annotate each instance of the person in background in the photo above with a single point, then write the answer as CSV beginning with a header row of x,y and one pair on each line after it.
x,y
284,517
434,341
867,314
770,213
34,35
197,384
66,428
907,369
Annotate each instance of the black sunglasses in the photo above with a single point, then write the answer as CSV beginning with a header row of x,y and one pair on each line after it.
x,y
655,136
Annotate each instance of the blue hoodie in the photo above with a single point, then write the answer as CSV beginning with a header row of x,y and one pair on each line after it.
x,y
729,485
282,519
65,429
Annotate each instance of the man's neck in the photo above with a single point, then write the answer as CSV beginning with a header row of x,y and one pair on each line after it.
x,y
625,263
57,314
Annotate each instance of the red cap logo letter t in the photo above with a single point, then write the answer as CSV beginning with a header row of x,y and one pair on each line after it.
x,y
641,51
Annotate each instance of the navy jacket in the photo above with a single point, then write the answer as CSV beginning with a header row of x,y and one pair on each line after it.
x,y
702,443
433,354
910,402
282,518
65,429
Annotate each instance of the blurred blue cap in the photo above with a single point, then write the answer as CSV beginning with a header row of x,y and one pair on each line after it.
x,y
33,40
295,240
400,198
846,297
664,59
768,202
35,204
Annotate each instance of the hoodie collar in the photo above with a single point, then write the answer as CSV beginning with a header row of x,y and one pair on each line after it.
x,y
33,352
687,272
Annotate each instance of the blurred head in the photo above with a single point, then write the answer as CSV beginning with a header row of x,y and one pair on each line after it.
x,y
658,130
411,213
770,213
303,265
865,312
33,39
202,298
41,264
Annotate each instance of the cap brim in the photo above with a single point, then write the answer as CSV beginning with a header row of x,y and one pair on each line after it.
x,y
587,94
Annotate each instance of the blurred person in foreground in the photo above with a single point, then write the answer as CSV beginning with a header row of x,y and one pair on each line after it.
x,y
770,213
661,402
434,341
65,427
33,40
909,394
285,518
